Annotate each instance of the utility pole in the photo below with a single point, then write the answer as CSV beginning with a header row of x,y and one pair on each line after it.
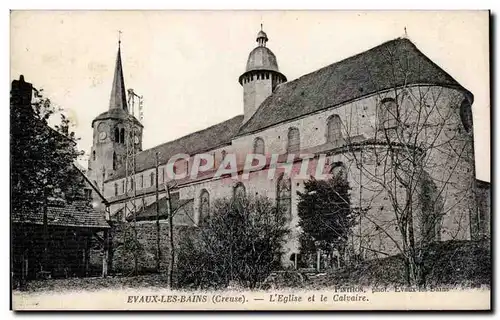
x,y
170,271
45,259
158,252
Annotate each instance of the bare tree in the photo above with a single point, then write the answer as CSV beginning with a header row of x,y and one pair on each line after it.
x,y
240,242
414,166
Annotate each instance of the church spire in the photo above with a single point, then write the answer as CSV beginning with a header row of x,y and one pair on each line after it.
x,y
118,97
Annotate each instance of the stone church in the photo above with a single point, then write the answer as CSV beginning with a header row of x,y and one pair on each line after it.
x,y
388,98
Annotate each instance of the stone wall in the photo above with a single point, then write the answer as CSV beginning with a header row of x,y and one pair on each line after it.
x,y
145,249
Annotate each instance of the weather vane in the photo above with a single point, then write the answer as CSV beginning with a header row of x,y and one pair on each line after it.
x,y
119,37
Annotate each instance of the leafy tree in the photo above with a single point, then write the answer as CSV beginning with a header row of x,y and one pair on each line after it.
x,y
325,214
41,157
241,242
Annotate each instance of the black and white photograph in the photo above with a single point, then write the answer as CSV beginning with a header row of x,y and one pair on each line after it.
x,y
250,160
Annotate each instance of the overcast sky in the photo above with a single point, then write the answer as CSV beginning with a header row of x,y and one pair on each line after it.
x,y
186,64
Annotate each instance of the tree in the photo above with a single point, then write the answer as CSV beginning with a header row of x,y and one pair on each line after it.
x,y
325,214
415,168
41,157
241,242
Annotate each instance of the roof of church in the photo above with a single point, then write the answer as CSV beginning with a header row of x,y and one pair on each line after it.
x,y
393,63
115,113
118,108
208,139
262,58
118,97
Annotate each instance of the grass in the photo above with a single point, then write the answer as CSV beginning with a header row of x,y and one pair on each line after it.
x,y
150,281
450,264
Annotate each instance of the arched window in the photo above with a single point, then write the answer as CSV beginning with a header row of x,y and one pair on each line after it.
x,y
339,171
152,179
466,115
334,130
115,161
284,195
239,191
117,135
388,114
122,135
204,206
258,146
93,155
116,189
431,207
293,145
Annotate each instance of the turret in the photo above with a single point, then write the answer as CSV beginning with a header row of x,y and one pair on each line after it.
x,y
261,76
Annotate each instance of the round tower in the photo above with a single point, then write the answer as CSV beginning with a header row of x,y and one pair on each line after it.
x,y
261,76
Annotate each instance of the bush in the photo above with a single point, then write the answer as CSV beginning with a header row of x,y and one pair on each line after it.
x,y
240,243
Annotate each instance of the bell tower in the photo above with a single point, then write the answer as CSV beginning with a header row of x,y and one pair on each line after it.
x,y
112,131
261,76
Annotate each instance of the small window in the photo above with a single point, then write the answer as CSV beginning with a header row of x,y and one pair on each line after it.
x,y
93,155
239,191
204,209
152,179
284,195
339,171
117,135
88,193
466,115
293,145
115,161
174,197
258,146
223,154
116,189
334,130
388,114
122,135
123,186
180,166
141,181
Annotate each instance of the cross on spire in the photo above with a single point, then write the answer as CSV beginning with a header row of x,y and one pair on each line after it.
x,y
119,37
118,96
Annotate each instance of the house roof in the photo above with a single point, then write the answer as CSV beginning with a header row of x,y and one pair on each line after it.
x,y
74,214
181,206
208,139
392,64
